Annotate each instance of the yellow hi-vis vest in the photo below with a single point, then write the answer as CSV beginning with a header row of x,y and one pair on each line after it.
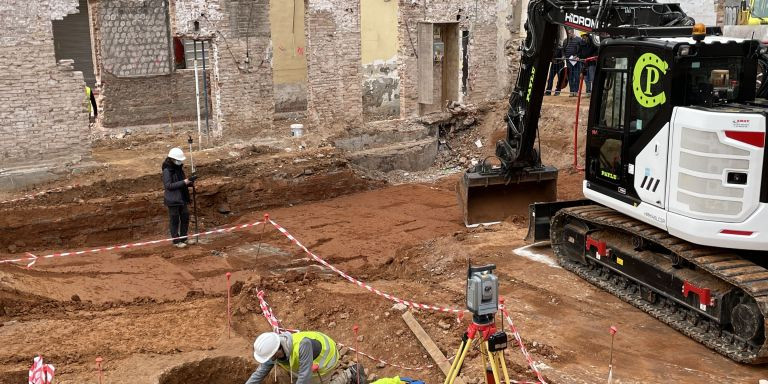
x,y
88,98
326,360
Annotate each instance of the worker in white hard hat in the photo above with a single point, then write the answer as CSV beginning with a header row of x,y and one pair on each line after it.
x,y
309,357
176,196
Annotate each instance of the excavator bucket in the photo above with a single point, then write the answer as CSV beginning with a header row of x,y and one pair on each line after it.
x,y
490,198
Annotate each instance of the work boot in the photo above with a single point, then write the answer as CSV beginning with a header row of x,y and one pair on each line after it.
x,y
354,370
180,245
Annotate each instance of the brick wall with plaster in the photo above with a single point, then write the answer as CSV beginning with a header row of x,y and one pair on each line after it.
x,y
334,100
43,118
491,48
241,72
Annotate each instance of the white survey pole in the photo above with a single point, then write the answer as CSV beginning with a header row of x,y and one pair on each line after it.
x,y
197,102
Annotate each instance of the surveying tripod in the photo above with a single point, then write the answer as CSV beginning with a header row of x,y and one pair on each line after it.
x,y
492,346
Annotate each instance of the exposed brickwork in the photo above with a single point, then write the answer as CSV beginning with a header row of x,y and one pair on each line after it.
x,y
241,82
150,99
239,65
489,46
334,64
43,118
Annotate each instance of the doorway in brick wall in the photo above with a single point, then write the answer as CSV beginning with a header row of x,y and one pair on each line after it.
x,y
72,41
439,65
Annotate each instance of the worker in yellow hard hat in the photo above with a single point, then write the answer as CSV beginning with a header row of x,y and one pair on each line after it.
x,y
309,357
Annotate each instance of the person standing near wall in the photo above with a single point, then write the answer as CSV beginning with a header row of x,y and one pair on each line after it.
x,y
571,47
588,49
93,109
176,196
556,69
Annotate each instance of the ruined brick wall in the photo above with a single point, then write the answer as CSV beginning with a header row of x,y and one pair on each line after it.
x,y
150,99
138,83
334,65
486,80
43,117
241,72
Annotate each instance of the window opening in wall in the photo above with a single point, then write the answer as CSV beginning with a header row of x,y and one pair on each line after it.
x,y
464,61
185,51
72,41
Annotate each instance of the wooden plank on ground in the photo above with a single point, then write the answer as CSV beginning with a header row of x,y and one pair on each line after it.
x,y
429,345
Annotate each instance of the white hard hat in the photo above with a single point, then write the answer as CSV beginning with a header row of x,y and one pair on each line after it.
x,y
177,154
265,346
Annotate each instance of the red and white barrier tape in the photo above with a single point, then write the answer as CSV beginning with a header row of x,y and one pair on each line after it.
x,y
37,194
32,259
531,363
360,283
267,312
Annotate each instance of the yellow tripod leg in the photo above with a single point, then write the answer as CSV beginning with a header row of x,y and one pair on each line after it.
x,y
494,368
503,364
483,351
456,366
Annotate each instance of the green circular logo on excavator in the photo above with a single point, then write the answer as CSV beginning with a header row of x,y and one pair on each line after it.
x,y
648,71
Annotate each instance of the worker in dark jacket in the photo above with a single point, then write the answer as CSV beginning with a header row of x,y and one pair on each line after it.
x,y
571,46
176,196
556,69
588,49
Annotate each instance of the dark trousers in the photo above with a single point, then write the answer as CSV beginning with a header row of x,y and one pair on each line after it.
x,y
555,70
574,73
589,76
179,215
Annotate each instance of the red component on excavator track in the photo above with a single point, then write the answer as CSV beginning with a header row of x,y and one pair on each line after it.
x,y
599,244
704,293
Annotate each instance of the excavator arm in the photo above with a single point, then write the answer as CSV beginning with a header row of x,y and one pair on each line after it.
x,y
505,184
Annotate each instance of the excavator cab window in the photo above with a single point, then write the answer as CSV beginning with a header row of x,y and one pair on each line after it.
x,y
605,142
710,80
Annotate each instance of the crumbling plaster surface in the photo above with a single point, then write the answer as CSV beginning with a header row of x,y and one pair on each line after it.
x,y
51,130
381,90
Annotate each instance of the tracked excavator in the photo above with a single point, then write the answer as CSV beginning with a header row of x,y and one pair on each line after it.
x,y
675,219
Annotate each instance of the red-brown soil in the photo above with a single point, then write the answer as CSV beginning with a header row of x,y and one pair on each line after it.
x,y
150,310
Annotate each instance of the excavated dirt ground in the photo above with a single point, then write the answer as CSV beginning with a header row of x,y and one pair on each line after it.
x,y
157,314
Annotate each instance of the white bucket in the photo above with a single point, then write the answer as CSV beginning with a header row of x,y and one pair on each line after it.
x,y
297,130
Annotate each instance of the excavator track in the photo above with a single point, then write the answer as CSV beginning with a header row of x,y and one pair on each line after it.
x,y
734,323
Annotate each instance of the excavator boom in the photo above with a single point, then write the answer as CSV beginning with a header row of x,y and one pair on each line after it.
x,y
516,177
